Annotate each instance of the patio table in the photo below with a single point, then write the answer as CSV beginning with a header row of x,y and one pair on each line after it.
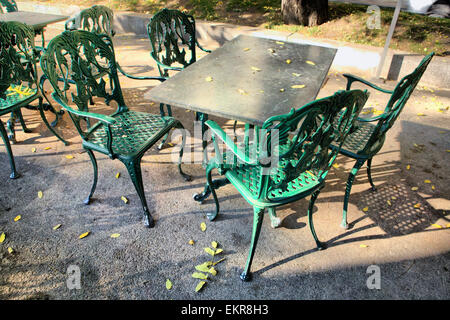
x,y
248,79
37,20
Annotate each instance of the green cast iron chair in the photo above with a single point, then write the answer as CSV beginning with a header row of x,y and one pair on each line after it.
x,y
369,135
18,81
173,39
291,159
73,60
9,5
97,19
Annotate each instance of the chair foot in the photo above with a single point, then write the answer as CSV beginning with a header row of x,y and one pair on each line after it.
x,y
246,277
211,216
87,201
200,197
14,175
344,225
275,222
149,222
321,246
373,189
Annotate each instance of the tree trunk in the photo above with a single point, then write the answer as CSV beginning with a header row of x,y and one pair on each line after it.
x,y
304,12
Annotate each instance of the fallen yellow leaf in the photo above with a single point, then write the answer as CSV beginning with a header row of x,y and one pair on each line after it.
x,y
124,199
204,267
436,225
33,149
335,165
210,251
115,235
40,194
191,242
363,245
214,244
84,235
420,114
427,181
415,188
117,175
296,74
298,86
288,61
310,62
69,156
219,261
417,205
256,69
18,218
246,49
408,167
279,42
10,250
203,226
57,227
168,284
389,202
47,148
2,237
365,209
242,92
199,275
448,225
208,79
218,251
200,286
213,271
281,90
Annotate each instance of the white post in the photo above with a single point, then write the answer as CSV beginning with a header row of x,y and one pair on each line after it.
x,y
389,37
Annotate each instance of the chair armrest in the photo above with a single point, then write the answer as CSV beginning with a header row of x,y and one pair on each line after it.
x,y
218,132
163,66
381,116
100,117
352,78
201,48
162,79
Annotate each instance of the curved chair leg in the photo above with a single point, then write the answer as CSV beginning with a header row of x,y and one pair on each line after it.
x,y
134,169
10,126
14,174
183,143
258,215
41,111
369,174
94,184
22,122
210,184
275,222
314,196
169,113
348,188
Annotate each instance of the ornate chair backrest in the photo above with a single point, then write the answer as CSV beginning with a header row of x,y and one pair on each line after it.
x,y
304,137
396,103
98,19
173,39
85,61
9,5
17,56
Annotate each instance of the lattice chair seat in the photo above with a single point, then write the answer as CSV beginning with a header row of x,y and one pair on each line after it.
x,y
357,140
131,132
17,94
249,178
